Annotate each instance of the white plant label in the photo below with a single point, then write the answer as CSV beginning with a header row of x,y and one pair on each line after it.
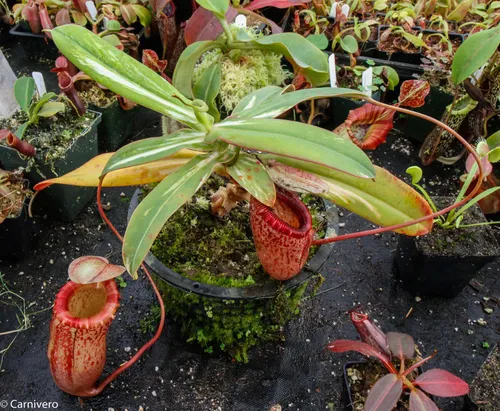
x,y
477,74
241,21
333,11
333,71
92,9
40,83
367,81
345,10
105,23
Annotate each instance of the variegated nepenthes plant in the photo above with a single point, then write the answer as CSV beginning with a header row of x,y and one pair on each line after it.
x,y
251,147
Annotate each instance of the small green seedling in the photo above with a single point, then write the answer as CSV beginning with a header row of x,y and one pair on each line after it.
x,y
121,282
24,91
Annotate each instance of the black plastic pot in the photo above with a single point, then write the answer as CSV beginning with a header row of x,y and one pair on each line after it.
x,y
452,36
119,125
408,58
32,43
455,38
23,29
60,201
484,394
114,127
416,128
253,292
439,271
16,236
452,26
346,396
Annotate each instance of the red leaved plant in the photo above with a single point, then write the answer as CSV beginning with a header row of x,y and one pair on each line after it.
x,y
368,126
386,392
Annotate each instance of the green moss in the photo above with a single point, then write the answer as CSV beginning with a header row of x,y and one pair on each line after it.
x,y
243,72
214,250
231,326
220,251
210,249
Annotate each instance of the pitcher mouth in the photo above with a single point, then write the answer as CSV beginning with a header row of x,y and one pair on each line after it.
x,y
87,305
296,224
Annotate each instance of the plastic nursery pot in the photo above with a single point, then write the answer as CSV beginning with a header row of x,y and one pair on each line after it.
x,y
60,201
416,128
81,317
455,38
252,292
484,394
119,125
32,43
405,71
452,26
16,236
443,262
401,57
114,127
347,396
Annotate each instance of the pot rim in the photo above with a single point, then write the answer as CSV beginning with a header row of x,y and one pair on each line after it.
x,y
252,292
104,317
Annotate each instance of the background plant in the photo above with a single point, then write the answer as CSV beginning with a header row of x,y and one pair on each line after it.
x,y
238,45
479,49
13,193
396,351
49,13
35,108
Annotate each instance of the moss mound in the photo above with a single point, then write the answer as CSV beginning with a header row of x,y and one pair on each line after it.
x,y
220,251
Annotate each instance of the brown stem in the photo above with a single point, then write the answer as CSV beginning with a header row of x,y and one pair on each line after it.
x,y
68,88
430,216
21,146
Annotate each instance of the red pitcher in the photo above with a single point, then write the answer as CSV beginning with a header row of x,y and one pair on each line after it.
x,y
77,347
282,234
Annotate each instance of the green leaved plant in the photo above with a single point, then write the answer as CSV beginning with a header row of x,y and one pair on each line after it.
x,y
489,152
242,146
24,92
